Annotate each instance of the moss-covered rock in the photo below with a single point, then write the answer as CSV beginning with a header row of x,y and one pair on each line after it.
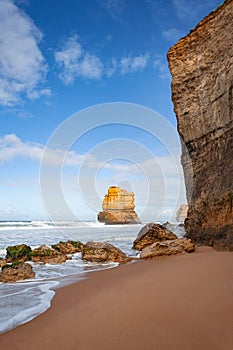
x,y
16,271
18,253
45,254
11,265
69,247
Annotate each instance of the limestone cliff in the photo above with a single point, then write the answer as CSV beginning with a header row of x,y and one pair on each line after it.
x,y
201,65
181,213
118,207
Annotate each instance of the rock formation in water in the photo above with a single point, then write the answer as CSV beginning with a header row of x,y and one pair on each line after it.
x,y
16,271
68,247
45,254
18,253
118,207
181,213
201,65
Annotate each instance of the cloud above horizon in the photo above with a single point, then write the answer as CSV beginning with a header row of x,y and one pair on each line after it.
x,y
12,147
75,61
86,177
23,73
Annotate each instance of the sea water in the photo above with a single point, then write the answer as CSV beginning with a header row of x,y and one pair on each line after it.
x,y
22,301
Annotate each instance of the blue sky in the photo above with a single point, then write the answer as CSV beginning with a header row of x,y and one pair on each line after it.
x,y
60,57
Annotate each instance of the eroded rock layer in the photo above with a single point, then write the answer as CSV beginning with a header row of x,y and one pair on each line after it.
x,y
201,65
118,207
181,213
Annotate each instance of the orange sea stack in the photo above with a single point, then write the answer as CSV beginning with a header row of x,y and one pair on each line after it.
x,y
118,207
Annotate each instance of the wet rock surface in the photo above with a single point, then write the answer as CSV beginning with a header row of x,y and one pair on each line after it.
x,y
45,254
15,272
18,253
68,247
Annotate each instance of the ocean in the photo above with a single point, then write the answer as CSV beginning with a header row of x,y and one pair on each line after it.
x,y
22,301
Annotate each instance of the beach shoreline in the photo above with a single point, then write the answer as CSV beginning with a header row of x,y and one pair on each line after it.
x,y
177,302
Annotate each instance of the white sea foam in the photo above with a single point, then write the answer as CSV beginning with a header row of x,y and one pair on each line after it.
x,y
28,300
20,302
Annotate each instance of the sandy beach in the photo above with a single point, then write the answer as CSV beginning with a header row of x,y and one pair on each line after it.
x,y
180,302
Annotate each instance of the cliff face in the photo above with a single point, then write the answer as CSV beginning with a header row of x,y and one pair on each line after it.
x,y
201,65
181,213
118,207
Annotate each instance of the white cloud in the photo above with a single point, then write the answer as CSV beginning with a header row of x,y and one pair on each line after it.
x,y
91,67
112,68
22,65
127,65
76,62
113,7
161,65
193,10
185,9
172,34
154,179
12,147
133,64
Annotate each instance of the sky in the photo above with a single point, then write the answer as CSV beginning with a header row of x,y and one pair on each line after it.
x,y
85,103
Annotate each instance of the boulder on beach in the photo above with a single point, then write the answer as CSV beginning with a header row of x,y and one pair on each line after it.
x,y
2,262
152,233
103,252
68,247
118,207
20,252
45,254
16,271
170,247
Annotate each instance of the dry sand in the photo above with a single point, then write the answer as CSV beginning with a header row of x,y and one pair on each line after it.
x,y
179,303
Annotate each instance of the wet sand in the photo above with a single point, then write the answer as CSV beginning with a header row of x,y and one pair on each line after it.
x,y
181,302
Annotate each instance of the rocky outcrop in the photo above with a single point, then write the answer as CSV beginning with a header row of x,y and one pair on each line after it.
x,y
152,233
18,253
103,252
118,207
201,65
69,247
181,213
166,248
2,262
45,254
16,272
